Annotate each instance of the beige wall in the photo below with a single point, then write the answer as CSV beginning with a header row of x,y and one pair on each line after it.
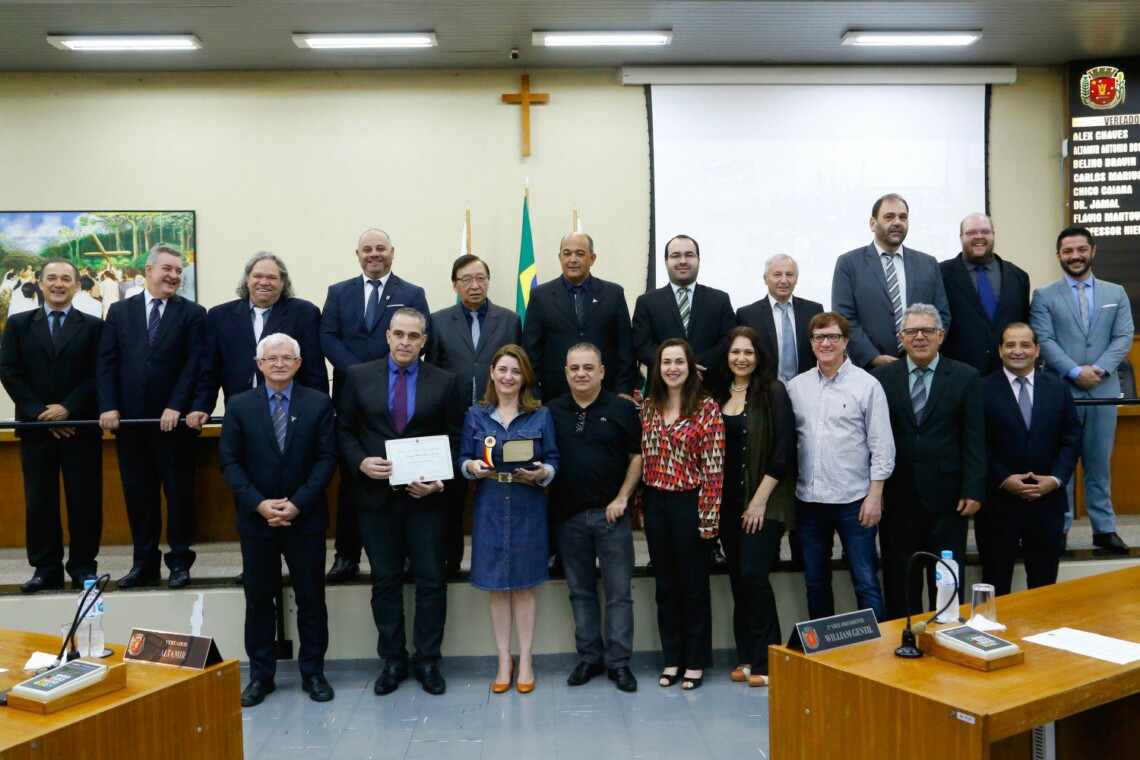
x,y
300,163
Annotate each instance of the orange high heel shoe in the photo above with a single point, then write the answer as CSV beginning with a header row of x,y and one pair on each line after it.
x,y
526,688
501,688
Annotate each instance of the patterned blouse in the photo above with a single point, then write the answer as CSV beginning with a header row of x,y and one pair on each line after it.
x,y
686,455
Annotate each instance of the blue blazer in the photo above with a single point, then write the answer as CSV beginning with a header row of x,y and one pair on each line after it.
x,y
227,360
140,380
345,340
859,292
256,469
1051,446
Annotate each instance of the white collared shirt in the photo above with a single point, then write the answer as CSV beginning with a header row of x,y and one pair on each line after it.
x,y
368,288
147,298
1012,379
900,270
692,290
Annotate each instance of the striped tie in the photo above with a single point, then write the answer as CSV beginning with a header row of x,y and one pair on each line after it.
x,y
918,393
683,305
279,422
896,296
152,324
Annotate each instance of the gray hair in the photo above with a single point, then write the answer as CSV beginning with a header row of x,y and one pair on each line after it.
x,y
286,284
277,339
373,229
584,346
924,309
779,257
408,311
160,249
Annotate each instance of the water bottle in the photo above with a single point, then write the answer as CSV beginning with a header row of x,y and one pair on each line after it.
x,y
89,638
946,588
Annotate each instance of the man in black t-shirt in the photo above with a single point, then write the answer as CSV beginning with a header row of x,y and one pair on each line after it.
x,y
599,439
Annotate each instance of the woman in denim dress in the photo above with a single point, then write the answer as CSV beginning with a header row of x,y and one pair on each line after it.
x,y
508,532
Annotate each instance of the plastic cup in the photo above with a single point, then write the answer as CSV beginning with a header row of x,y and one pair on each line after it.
x,y
984,602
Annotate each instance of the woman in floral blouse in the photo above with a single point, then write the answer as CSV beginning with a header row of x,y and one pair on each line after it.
x,y
682,443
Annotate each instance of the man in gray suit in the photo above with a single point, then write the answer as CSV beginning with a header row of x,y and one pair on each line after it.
x,y
873,286
1084,326
466,336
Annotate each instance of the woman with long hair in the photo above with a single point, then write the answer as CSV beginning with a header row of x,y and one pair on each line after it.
x,y
759,501
508,445
682,445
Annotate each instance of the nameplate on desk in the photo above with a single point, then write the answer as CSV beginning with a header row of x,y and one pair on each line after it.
x,y
835,632
179,650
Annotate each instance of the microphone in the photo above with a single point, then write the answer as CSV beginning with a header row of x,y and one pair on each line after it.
x,y
908,648
69,646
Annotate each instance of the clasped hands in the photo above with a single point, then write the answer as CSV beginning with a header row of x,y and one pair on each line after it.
x,y
279,513
1028,486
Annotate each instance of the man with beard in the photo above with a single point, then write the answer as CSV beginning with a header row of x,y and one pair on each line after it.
x,y
1084,326
985,294
872,286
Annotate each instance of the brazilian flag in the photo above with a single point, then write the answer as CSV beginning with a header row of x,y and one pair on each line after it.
x,y
528,274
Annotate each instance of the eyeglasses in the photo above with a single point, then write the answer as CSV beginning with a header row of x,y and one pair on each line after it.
x,y
910,332
482,279
278,359
675,256
828,337
580,424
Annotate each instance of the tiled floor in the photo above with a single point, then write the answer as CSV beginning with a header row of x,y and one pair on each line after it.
x,y
722,720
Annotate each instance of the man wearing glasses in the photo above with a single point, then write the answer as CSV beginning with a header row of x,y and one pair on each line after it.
x,y
466,336
846,452
599,436
940,477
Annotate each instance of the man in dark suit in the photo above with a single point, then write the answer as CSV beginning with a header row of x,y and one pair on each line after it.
x,y
401,397
1033,441
353,324
47,365
985,293
278,454
781,320
149,355
577,308
682,309
872,286
464,338
265,305
940,468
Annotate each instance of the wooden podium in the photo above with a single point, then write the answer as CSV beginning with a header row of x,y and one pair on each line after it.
x,y
161,713
864,702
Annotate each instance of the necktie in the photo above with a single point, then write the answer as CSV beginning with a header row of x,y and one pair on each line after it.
x,y
789,362
683,305
400,400
259,318
1023,401
986,291
279,422
918,392
1082,301
371,314
56,330
895,294
475,329
152,324
579,301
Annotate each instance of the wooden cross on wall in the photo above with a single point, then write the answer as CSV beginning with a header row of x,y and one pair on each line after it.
x,y
525,98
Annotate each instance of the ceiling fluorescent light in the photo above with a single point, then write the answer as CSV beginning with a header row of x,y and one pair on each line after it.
x,y
120,43
912,39
600,39
396,40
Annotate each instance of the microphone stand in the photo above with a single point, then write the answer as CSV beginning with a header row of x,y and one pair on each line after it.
x,y
909,646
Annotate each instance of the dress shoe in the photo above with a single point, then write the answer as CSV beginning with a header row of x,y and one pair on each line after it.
x,y
717,562
179,577
431,679
389,679
239,579
500,687
343,571
584,671
139,576
255,693
42,583
741,673
624,679
1110,542
554,566
319,689
524,688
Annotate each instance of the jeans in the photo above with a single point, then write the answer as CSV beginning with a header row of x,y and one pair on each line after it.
x,y
816,525
581,539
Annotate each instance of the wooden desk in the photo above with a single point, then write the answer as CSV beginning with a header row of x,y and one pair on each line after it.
x,y
864,702
162,712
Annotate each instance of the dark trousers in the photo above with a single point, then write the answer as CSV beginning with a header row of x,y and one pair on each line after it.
x,y
81,462
681,571
152,464
755,621
583,538
907,528
347,540
456,496
1041,536
261,562
407,527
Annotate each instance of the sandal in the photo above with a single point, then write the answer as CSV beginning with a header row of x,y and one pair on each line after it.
x,y
757,679
741,674
689,684
667,680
